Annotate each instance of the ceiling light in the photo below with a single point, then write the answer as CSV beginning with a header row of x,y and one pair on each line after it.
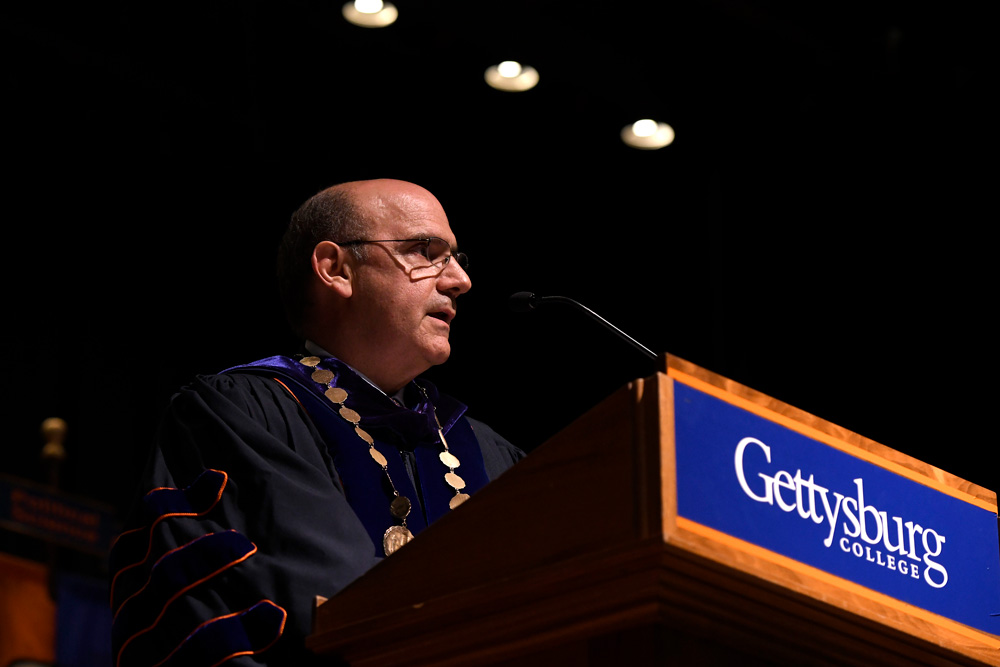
x,y
511,76
647,134
370,13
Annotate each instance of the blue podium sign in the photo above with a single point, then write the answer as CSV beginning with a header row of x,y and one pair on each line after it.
x,y
772,486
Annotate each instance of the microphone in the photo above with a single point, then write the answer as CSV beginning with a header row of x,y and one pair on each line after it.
x,y
523,302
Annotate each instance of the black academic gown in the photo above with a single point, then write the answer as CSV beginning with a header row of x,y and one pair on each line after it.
x,y
246,521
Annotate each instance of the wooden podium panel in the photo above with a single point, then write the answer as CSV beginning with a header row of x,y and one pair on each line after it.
x,y
577,556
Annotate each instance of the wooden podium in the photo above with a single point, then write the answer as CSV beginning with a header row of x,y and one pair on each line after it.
x,y
577,556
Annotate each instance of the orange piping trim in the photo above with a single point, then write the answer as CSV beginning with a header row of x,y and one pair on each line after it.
x,y
176,595
126,532
281,631
158,561
162,517
827,578
828,439
290,392
159,488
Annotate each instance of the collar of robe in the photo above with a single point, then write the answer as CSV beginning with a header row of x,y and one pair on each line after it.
x,y
392,427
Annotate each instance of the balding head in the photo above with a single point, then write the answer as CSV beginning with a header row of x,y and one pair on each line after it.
x,y
347,211
383,304
328,215
387,198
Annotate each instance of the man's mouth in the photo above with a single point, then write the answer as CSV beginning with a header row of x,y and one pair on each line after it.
x,y
443,315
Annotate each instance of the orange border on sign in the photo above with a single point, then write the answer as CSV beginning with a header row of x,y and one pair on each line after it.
x,y
827,439
857,589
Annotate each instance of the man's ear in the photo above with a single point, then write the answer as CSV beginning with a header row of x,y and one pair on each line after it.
x,y
330,264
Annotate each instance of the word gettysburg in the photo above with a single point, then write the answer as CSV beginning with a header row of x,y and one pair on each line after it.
x,y
902,546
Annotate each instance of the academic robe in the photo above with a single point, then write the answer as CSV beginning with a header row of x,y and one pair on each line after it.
x,y
248,514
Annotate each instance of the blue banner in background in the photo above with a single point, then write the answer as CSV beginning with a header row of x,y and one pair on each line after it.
x,y
760,482
56,517
83,622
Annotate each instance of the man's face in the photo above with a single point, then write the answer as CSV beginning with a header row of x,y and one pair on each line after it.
x,y
404,310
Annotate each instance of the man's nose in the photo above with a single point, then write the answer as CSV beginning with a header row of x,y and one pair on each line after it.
x,y
454,279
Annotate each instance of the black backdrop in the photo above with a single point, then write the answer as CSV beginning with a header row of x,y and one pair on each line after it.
x,y
817,230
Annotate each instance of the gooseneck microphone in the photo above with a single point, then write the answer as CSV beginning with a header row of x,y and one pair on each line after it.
x,y
522,302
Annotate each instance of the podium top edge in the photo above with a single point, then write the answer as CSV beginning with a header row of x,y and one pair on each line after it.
x,y
830,433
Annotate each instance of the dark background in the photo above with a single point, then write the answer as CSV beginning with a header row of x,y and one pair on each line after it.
x,y
817,231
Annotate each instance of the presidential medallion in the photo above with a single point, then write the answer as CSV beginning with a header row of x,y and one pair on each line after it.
x,y
395,537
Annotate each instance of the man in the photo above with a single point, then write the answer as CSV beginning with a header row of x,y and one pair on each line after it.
x,y
288,478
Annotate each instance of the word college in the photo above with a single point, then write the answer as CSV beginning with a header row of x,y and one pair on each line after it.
x,y
867,532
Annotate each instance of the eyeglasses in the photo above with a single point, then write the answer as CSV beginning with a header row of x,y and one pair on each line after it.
x,y
437,252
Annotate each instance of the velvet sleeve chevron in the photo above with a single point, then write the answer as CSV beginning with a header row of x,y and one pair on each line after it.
x,y
243,521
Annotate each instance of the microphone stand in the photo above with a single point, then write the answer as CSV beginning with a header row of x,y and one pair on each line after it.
x,y
523,302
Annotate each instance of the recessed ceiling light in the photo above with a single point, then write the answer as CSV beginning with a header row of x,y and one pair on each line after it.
x,y
370,13
647,134
511,76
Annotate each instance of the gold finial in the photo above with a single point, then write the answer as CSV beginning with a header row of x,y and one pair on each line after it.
x,y
54,432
